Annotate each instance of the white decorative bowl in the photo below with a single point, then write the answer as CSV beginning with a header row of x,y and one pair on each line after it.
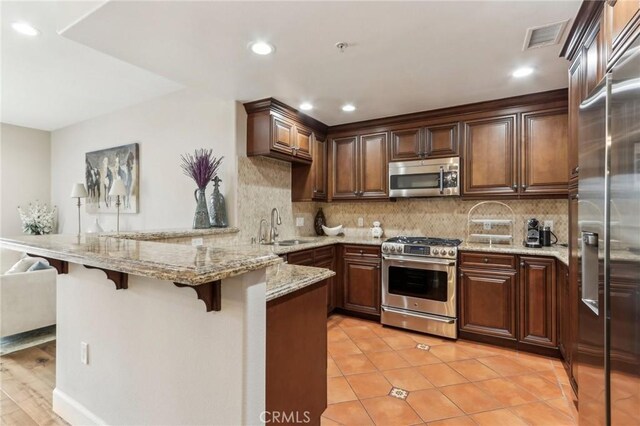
x,y
332,232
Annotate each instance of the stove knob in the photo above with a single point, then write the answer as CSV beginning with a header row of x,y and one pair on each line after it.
x,y
435,251
452,252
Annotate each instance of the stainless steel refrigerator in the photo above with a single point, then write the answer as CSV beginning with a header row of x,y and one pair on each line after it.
x,y
608,351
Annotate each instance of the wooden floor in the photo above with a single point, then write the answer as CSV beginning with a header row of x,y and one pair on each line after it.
x,y
27,380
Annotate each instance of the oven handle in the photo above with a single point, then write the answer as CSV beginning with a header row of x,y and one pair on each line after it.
x,y
403,259
441,179
417,315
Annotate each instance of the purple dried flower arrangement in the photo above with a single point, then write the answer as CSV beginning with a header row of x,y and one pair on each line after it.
x,y
202,166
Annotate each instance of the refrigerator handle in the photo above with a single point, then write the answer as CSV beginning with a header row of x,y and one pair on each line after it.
x,y
590,274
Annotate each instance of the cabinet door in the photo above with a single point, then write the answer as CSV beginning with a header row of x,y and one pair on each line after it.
x,y
544,152
319,170
373,170
304,141
564,308
344,171
488,303
538,301
620,14
442,140
573,284
282,135
304,258
594,58
490,156
576,95
406,144
361,285
331,286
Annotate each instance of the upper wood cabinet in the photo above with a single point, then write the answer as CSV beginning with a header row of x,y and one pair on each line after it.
x,y
309,182
441,140
438,140
544,152
359,167
576,95
621,19
279,131
406,144
490,166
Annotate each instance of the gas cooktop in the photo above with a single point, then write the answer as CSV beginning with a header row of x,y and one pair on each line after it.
x,y
421,246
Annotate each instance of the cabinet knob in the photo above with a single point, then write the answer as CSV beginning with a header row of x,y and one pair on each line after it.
x,y
485,260
523,186
514,186
361,252
355,192
522,263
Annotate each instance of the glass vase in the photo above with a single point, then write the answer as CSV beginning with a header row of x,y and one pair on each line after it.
x,y
201,218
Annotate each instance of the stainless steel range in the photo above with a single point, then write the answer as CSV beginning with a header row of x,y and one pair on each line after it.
x,y
419,284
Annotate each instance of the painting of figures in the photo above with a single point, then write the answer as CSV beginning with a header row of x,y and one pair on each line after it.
x,y
102,168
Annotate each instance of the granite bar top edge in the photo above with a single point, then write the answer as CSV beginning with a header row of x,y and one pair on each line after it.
x,y
284,279
163,234
559,252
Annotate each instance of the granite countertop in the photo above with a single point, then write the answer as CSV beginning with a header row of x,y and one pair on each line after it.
x,y
559,252
316,242
284,278
162,234
180,263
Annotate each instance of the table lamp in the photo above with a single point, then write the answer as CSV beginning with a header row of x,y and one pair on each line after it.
x,y
118,190
79,191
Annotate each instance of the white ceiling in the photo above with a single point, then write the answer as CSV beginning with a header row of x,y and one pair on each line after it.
x,y
50,82
405,56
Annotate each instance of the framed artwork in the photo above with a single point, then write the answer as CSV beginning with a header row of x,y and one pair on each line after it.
x,y
102,169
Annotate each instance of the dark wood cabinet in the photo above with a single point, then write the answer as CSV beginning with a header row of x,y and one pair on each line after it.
x,y
622,19
538,301
576,95
359,167
283,138
432,141
309,182
490,166
360,286
488,303
303,142
406,144
323,257
442,140
594,56
544,152
564,308
574,290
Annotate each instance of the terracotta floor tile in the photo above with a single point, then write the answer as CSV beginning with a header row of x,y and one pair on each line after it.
x,y
354,364
369,385
505,366
387,360
338,390
384,331
332,369
399,341
336,335
355,322
375,344
470,398
441,375
473,370
448,353
549,375
408,379
347,413
417,357
540,414
427,339
328,422
506,392
538,386
342,348
535,362
502,417
455,421
567,407
359,332
432,405
387,410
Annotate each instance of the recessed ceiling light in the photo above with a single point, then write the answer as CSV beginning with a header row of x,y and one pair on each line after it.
x,y
522,72
261,48
348,108
306,106
25,29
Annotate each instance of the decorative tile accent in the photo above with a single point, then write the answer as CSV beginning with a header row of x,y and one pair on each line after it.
x,y
423,346
399,393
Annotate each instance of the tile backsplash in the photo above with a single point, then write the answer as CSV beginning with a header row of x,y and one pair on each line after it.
x,y
265,183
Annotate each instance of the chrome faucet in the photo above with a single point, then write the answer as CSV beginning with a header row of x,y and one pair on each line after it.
x,y
261,232
273,231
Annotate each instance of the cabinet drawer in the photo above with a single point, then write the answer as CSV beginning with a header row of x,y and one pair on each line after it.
x,y
324,253
488,260
362,251
304,257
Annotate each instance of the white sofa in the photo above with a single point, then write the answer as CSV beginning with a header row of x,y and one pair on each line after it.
x,y
27,299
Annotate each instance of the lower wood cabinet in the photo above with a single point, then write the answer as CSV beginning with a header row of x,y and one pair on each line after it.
x,y
323,257
564,308
329,263
538,301
361,280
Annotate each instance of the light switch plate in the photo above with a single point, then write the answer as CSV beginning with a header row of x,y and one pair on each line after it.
x,y
196,242
360,221
84,353
299,221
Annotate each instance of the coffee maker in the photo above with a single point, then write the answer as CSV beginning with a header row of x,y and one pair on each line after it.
x,y
532,233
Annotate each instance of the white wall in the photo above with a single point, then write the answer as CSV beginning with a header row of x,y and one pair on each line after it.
x,y
24,173
165,128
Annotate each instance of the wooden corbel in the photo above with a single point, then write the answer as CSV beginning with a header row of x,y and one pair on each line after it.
x,y
120,279
62,266
210,293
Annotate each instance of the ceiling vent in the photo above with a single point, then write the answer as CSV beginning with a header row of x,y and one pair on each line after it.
x,y
546,35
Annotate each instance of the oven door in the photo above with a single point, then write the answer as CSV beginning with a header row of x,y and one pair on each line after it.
x,y
423,179
419,284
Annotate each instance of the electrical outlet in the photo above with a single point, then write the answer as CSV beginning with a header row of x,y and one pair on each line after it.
x,y
486,226
84,353
360,221
549,223
196,242
299,221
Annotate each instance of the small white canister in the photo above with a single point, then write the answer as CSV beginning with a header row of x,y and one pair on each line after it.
x,y
376,231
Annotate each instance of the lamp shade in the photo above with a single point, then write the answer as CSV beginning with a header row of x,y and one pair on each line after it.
x,y
118,188
79,191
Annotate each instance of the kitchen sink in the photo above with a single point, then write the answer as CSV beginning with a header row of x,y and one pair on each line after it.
x,y
292,242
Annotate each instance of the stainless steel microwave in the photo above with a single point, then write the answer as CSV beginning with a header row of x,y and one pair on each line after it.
x,y
438,177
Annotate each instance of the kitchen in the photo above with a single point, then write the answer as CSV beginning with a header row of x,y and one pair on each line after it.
x,y
477,199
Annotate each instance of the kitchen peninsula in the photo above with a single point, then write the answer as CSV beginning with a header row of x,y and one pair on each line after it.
x,y
135,345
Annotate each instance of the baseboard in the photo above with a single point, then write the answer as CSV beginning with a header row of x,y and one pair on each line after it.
x,y
72,411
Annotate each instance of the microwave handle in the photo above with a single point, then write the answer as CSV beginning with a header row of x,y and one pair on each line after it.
x,y
441,179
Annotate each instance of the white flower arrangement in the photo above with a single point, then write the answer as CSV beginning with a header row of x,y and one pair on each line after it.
x,y
39,219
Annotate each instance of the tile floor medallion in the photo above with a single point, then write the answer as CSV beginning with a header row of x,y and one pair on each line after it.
x,y
385,376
